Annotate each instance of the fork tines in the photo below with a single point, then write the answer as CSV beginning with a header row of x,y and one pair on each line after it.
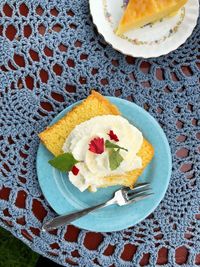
x,y
140,191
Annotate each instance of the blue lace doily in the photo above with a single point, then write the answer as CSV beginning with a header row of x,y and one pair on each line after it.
x,y
51,56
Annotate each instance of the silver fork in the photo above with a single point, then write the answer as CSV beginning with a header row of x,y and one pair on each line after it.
x,y
121,197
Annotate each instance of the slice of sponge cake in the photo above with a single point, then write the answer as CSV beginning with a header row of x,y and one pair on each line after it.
x,y
94,105
141,12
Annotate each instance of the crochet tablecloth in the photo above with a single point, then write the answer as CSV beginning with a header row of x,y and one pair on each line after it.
x,y
51,55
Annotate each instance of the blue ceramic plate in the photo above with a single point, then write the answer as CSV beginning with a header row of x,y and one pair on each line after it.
x,y
65,198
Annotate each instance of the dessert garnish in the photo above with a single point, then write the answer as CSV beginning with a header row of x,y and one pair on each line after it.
x,y
115,158
109,144
97,145
75,170
113,136
64,162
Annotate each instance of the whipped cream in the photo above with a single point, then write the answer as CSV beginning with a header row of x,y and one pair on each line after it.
x,y
93,167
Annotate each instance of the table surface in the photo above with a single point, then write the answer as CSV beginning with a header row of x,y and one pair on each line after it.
x,y
92,240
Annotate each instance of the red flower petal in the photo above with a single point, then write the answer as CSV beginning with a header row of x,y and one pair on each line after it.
x,y
113,136
97,145
75,170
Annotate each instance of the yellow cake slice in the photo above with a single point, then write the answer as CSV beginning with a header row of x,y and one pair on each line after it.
x,y
141,12
94,105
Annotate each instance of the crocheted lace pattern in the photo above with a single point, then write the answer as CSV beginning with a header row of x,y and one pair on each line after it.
x,y
51,56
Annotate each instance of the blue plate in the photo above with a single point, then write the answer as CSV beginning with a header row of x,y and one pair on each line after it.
x,y
65,198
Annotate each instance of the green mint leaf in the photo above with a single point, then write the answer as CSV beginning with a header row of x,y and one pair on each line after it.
x,y
115,159
63,162
109,144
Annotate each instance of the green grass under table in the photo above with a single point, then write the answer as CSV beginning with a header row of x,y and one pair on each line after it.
x,y
14,253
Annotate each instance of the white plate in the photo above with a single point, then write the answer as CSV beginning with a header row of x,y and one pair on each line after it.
x,y
151,40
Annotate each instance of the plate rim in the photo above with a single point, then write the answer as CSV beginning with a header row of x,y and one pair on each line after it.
x,y
97,228
142,55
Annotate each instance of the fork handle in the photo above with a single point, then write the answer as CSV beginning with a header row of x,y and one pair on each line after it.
x,y
67,219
